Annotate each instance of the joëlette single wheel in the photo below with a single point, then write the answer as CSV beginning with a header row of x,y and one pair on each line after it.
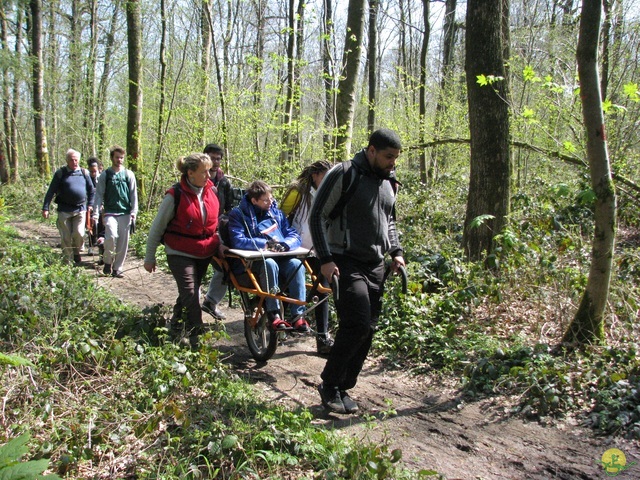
x,y
261,340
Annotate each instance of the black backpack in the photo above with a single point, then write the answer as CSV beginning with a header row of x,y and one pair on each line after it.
x,y
350,181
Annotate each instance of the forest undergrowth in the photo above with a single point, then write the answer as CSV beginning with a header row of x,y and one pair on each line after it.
x,y
133,400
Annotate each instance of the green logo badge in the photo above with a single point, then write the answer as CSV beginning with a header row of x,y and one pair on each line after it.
x,y
613,461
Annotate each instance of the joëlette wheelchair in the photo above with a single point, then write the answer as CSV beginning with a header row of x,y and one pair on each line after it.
x,y
261,339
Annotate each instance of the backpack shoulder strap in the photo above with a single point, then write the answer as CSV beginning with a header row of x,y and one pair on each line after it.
x,y
350,179
85,172
60,173
177,194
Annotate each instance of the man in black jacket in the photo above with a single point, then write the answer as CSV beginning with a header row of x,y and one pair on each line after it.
x,y
352,246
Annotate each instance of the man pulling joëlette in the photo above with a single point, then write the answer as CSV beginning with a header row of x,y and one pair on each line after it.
x,y
352,246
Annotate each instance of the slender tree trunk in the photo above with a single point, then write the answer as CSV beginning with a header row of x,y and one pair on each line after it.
x,y
206,68
6,102
286,150
88,120
372,61
15,104
298,78
424,50
161,103
489,182
53,85
327,72
606,41
587,325
74,75
166,122
448,49
134,114
221,95
346,100
104,79
42,156
260,6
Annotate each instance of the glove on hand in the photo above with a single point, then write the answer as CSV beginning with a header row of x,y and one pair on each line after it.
x,y
274,246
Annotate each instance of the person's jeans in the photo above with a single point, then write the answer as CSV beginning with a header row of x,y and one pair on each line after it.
x,y
116,240
71,228
217,289
358,307
279,272
188,273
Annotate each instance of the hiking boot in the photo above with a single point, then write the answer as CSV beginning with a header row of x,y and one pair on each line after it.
x,y
194,343
117,274
349,405
107,269
213,310
77,259
176,330
331,399
301,326
324,342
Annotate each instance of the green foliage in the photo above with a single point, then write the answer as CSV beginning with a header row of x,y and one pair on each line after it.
x,y
456,317
99,380
11,468
24,198
605,385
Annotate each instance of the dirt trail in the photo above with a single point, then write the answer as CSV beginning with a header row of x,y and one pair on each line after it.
x,y
432,427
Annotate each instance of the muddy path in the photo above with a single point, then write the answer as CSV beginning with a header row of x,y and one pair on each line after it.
x,y
425,419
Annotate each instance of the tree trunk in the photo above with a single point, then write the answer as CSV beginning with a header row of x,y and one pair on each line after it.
x,y
221,96
346,99
6,102
15,104
104,79
372,61
260,7
89,123
489,182
161,103
74,76
206,68
37,80
286,150
613,18
587,325
329,89
298,78
134,114
54,87
448,49
424,50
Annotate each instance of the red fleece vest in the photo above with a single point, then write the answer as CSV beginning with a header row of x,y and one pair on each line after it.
x,y
186,232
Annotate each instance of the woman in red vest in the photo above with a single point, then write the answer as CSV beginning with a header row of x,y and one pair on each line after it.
x,y
187,222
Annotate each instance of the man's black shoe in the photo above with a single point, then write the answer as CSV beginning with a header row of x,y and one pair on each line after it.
x,y
213,310
194,343
107,269
77,259
324,342
330,397
349,405
117,274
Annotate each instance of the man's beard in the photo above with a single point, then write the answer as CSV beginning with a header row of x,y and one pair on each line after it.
x,y
381,173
